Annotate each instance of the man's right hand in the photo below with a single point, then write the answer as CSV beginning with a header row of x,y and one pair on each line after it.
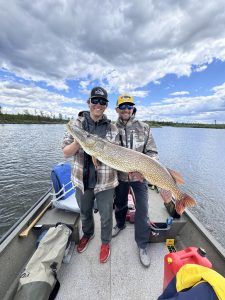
x,y
71,149
166,195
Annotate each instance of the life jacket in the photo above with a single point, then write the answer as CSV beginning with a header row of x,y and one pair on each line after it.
x,y
195,282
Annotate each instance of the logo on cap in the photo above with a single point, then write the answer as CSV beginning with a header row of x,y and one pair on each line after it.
x,y
99,92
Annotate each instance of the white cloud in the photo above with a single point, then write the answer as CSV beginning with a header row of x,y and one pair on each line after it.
x,y
126,44
181,93
16,97
139,94
202,109
200,68
219,90
122,45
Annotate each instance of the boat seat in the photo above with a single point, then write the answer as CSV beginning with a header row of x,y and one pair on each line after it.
x,y
63,188
65,208
54,215
65,198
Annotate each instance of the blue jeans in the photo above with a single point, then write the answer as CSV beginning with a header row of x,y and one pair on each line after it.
x,y
142,227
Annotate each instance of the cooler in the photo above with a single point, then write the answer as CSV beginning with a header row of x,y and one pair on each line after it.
x,y
174,261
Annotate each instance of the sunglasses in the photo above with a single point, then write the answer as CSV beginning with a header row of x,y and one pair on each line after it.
x,y
124,106
98,101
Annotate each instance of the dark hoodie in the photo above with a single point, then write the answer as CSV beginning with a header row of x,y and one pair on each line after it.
x,y
99,128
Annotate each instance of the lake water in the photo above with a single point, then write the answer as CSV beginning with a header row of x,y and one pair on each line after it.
x,y
28,153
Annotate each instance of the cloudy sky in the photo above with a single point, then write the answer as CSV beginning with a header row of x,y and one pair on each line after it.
x,y
170,55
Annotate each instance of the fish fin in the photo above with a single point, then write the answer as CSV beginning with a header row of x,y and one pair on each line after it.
x,y
177,177
185,201
95,162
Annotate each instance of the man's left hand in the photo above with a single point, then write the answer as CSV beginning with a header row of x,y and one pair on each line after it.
x,y
136,176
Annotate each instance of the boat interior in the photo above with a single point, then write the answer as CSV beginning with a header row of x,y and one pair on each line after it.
x,y
82,276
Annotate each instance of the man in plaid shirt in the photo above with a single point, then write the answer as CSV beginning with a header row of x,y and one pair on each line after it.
x,y
94,183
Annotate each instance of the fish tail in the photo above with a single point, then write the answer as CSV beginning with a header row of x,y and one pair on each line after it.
x,y
185,201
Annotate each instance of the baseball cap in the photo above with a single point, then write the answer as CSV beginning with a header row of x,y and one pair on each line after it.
x,y
99,92
125,99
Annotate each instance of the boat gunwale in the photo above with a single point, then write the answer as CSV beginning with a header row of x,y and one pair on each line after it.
x,y
204,231
23,221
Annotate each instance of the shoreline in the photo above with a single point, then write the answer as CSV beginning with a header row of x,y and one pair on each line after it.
x,y
40,119
151,124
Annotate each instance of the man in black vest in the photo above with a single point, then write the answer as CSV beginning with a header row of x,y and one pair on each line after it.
x,y
94,182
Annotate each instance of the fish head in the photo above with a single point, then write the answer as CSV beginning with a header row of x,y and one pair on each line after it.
x,y
89,142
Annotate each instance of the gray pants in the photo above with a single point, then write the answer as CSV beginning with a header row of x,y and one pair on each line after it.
x,y
104,201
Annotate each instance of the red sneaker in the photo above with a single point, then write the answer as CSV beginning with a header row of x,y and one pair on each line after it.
x,y
83,243
104,253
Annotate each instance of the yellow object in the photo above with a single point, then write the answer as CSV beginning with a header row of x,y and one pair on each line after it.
x,y
25,233
191,274
124,99
169,260
169,242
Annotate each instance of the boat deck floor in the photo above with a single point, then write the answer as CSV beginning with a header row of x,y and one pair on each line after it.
x,y
122,276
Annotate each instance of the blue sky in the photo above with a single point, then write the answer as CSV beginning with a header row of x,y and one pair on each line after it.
x,y
170,55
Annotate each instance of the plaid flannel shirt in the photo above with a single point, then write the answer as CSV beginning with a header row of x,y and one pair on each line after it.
x,y
106,176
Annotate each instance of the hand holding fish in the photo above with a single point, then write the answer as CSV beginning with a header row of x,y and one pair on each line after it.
x,y
166,195
71,149
136,176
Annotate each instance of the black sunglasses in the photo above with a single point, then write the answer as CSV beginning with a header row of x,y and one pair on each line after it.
x,y
124,106
100,101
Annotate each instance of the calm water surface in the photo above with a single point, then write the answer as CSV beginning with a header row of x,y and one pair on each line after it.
x,y
28,153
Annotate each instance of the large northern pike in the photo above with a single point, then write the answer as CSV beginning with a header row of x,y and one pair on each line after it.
x,y
128,160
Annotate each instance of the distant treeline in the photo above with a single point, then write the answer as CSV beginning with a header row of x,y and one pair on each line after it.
x,y
30,119
27,118
177,124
